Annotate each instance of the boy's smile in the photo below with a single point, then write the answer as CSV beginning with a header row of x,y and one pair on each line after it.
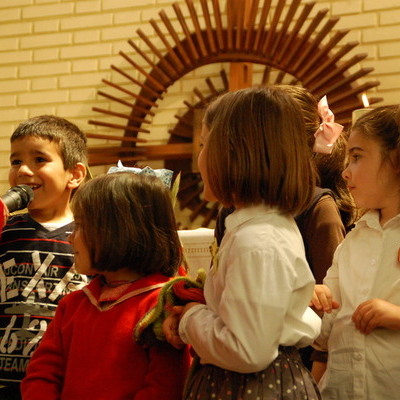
x,y
37,162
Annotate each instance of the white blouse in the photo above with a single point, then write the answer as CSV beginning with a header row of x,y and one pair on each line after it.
x,y
256,293
365,266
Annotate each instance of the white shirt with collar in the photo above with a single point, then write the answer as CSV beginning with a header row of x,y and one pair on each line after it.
x,y
256,294
365,266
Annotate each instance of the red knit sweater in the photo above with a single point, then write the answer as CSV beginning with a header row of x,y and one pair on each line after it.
x,y
88,353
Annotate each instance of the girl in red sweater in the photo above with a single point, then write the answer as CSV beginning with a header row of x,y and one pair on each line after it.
x,y
125,236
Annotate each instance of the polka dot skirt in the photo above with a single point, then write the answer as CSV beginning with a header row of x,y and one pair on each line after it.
x,y
285,379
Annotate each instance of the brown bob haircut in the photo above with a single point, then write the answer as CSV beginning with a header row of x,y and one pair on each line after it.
x,y
128,221
257,150
70,139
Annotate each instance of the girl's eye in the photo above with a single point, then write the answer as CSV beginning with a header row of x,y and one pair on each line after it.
x,y
40,159
355,157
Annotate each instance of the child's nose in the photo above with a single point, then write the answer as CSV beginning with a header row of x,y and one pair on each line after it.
x,y
345,173
24,170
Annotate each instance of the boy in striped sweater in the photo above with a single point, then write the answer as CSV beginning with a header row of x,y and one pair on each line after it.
x,y
48,154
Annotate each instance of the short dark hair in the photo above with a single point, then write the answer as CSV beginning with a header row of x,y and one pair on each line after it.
x,y
70,139
383,125
329,167
128,222
257,150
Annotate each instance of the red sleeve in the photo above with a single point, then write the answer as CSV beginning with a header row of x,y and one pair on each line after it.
x,y
3,215
166,375
44,374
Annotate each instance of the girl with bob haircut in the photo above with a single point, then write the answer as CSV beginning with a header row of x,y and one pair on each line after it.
x,y
125,237
254,158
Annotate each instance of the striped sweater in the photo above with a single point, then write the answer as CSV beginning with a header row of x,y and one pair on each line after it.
x,y
35,272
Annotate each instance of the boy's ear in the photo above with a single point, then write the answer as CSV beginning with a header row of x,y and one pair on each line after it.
x,y
78,175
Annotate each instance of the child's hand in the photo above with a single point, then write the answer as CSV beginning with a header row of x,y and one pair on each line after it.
x,y
376,313
322,299
170,328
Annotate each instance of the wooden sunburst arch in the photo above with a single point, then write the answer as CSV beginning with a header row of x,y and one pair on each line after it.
x,y
281,35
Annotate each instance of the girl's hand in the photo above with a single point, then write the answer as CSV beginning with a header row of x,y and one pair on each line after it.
x,y
322,300
376,313
171,324
170,328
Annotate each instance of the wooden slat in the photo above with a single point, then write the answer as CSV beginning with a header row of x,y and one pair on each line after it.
x,y
173,151
187,198
126,103
354,91
313,45
154,81
230,24
209,28
145,100
114,150
211,87
240,13
178,150
295,31
146,88
280,37
225,80
130,139
272,29
250,25
197,210
266,75
175,37
329,62
169,68
218,23
187,184
210,215
322,53
338,71
117,126
345,81
299,45
198,93
120,115
106,160
170,51
261,25
197,29
193,50
166,80
186,119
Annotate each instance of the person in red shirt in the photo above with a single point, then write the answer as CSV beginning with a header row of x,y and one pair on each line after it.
x,y
125,237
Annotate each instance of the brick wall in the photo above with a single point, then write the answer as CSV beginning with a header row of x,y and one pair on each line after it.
x,y
54,55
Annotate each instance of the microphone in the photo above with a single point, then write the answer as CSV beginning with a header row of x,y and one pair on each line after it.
x,y
17,197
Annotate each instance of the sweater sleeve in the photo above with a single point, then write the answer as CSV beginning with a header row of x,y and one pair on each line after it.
x,y
324,232
166,373
44,376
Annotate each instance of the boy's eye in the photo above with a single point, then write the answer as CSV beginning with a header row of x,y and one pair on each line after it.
x,y
40,159
15,162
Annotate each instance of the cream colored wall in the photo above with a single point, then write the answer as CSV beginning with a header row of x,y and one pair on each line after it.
x,y
54,55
